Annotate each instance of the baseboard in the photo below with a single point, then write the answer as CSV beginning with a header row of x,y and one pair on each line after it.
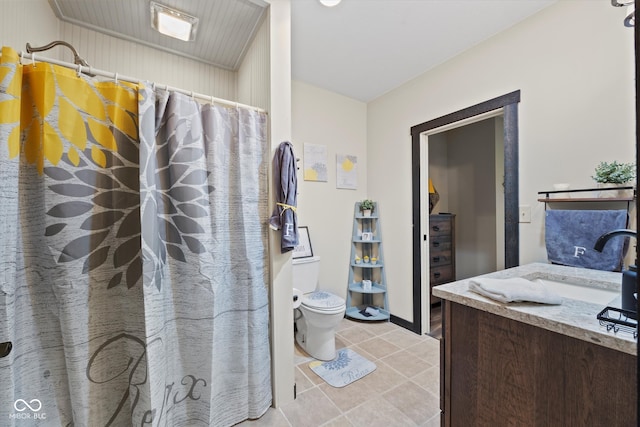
x,y
405,324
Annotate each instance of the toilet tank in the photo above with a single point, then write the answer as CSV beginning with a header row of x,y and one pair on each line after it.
x,y
305,273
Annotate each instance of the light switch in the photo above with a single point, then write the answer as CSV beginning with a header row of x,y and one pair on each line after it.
x,y
525,213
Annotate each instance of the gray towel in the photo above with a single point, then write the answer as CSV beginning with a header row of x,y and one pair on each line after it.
x,y
571,234
284,215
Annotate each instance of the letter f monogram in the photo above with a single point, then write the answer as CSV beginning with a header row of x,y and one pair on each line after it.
x,y
579,251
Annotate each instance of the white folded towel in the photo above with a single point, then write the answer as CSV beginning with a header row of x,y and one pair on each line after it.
x,y
372,311
514,289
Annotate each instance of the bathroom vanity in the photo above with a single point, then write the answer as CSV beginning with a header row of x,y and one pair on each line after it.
x,y
533,364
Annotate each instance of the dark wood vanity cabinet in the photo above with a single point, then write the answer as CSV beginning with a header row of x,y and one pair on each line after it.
x,y
500,372
442,251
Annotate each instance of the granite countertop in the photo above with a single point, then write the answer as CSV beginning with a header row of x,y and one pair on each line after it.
x,y
573,318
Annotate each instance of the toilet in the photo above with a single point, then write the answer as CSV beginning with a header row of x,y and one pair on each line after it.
x,y
319,314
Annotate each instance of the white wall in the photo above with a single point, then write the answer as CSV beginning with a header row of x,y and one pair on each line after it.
x,y
27,21
253,73
339,123
574,65
280,130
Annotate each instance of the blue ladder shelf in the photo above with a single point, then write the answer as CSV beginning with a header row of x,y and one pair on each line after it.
x,y
366,240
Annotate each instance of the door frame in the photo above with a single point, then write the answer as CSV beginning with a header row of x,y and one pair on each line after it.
x,y
425,173
509,104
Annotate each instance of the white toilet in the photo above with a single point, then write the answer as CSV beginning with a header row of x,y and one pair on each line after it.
x,y
320,312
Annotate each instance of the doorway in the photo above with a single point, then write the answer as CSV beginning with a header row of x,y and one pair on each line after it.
x,y
506,106
465,166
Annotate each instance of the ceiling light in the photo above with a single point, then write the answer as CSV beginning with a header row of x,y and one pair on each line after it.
x,y
173,23
330,3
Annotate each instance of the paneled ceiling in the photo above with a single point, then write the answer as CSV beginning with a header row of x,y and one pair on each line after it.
x,y
360,48
225,30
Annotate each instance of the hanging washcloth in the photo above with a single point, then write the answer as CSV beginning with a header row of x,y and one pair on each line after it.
x,y
284,215
571,234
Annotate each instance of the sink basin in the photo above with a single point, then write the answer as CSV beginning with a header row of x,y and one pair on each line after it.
x,y
580,292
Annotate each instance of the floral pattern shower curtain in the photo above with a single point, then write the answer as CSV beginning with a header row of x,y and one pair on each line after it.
x,y
133,256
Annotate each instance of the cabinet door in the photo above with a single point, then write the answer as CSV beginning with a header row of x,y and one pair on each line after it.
x,y
498,371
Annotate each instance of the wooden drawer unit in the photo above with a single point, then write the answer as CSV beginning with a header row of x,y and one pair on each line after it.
x,y
442,254
440,275
440,258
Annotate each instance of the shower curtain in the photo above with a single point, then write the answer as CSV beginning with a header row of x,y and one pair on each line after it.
x,y
133,254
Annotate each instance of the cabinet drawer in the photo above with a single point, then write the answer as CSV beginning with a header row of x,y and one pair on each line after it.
x,y
440,243
439,226
437,258
439,275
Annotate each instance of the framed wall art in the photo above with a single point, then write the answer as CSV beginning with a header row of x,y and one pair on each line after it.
x,y
303,250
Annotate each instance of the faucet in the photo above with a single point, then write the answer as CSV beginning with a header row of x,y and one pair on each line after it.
x,y
602,240
629,288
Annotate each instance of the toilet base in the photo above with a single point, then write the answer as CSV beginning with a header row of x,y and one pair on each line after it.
x,y
320,345
318,338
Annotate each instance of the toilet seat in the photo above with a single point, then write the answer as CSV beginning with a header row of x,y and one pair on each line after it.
x,y
322,301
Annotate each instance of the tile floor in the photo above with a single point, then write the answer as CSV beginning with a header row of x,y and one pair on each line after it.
x,y
402,391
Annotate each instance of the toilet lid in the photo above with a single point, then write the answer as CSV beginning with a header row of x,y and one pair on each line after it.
x,y
322,300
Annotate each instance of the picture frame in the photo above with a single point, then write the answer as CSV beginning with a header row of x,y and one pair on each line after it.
x,y
303,249
367,236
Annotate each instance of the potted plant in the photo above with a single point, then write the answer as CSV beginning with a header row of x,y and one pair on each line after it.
x,y
366,206
613,174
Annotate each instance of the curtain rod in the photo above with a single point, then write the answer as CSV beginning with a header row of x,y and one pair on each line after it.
x,y
116,77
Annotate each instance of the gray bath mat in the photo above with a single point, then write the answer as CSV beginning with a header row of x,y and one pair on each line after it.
x,y
347,367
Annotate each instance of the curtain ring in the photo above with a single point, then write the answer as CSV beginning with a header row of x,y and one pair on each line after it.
x,y
79,71
192,95
22,57
153,86
115,77
33,60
